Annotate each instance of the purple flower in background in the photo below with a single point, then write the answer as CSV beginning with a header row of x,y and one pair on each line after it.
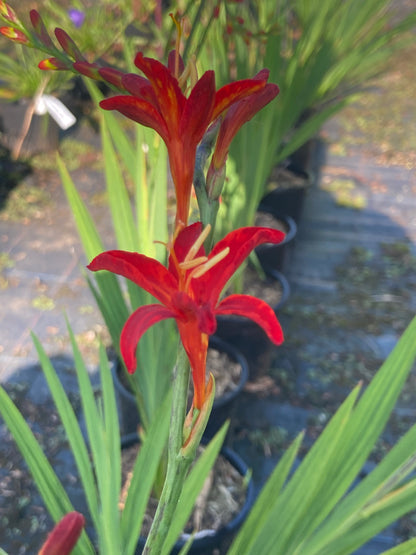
x,y
77,17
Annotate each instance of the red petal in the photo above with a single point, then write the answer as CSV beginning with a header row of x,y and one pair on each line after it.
x,y
140,87
40,29
197,113
172,62
196,346
183,242
113,76
227,95
169,96
68,45
241,242
255,309
138,110
147,272
237,115
137,324
89,70
64,535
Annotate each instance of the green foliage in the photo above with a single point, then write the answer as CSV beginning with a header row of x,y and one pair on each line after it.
x,y
316,511
320,53
21,77
98,459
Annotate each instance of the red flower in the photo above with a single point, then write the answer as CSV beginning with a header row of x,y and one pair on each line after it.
x,y
64,536
181,121
189,291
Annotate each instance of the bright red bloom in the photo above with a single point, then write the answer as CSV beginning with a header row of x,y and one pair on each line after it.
x,y
64,536
181,121
189,291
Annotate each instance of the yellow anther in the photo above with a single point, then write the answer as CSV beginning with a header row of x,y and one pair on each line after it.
x,y
198,244
192,263
198,272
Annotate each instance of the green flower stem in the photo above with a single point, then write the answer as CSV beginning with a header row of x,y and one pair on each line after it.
x,y
178,464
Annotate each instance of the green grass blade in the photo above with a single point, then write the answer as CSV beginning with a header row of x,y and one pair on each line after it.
x,y
406,548
266,499
299,497
72,430
109,296
118,197
48,484
107,522
85,225
389,474
144,473
120,137
110,488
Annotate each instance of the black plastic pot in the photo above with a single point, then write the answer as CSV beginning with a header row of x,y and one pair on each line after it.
x,y
205,541
275,257
221,410
287,201
247,336
287,190
128,413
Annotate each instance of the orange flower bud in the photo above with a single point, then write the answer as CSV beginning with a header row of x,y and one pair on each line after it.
x,y
14,35
7,13
52,64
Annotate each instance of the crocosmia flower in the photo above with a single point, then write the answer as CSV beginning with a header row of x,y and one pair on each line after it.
x,y
157,101
189,290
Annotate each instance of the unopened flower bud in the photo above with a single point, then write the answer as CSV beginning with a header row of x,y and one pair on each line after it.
x,y
14,34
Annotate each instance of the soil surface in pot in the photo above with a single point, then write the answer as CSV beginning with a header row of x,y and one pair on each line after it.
x,y
225,370
266,219
221,499
282,178
257,284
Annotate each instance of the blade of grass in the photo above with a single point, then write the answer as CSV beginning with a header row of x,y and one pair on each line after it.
x,y
144,473
53,493
72,430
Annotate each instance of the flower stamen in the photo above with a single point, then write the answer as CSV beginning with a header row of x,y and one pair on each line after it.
x,y
201,270
198,244
192,263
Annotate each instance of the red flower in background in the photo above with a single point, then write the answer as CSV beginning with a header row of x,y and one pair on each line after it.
x,y
181,121
64,536
189,291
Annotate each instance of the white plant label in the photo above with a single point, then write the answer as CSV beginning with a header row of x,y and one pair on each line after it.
x,y
48,104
